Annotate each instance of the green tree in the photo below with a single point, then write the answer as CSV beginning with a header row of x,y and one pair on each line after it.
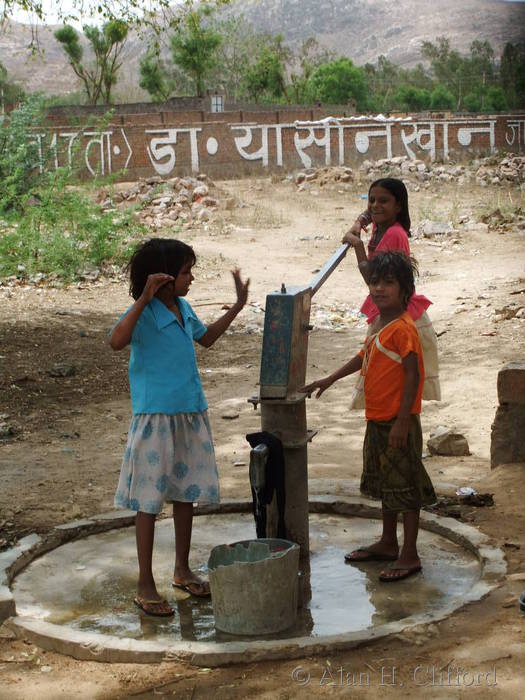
x,y
194,47
496,99
309,57
441,98
338,81
19,153
239,44
449,68
382,80
10,92
265,77
471,74
412,99
107,44
154,77
512,74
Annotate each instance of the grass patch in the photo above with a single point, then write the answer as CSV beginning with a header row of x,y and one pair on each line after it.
x,y
62,231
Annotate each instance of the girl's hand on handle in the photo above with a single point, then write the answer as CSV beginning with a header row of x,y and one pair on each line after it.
x,y
352,239
399,433
354,230
320,384
154,283
241,288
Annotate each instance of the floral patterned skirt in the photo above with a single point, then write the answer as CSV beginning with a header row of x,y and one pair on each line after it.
x,y
168,458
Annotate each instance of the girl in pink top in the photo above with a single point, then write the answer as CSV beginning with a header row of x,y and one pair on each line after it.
x,y
388,211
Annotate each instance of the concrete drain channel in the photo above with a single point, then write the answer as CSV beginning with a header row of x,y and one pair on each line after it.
x,y
72,591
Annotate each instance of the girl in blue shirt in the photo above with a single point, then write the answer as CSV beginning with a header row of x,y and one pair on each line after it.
x,y
169,454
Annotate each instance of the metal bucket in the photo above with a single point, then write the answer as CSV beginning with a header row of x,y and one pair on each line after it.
x,y
254,585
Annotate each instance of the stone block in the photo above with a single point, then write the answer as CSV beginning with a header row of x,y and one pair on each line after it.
x,y
508,435
511,383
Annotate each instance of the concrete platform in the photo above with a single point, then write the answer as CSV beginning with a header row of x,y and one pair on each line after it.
x,y
77,597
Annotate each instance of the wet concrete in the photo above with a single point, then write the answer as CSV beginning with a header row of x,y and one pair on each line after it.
x,y
89,584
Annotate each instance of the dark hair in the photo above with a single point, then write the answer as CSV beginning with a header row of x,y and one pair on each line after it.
x,y
399,266
398,190
157,255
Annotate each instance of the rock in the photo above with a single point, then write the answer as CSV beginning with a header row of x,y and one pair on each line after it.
x,y
7,431
200,191
448,442
204,215
162,201
519,576
229,415
154,180
33,201
429,229
89,273
477,226
62,369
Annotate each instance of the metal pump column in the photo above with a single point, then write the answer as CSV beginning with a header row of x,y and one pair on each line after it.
x,y
283,407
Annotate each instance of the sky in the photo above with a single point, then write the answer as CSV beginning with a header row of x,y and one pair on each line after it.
x,y
52,16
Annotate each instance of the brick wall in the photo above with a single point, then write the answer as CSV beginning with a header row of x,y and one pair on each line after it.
x,y
231,144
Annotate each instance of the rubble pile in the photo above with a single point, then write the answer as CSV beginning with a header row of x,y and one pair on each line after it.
x,y
327,175
419,173
184,201
509,170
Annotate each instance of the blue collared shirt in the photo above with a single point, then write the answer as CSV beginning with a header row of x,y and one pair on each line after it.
x,y
163,374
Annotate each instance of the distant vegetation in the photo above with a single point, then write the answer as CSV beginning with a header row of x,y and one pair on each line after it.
x,y
199,50
248,66
46,225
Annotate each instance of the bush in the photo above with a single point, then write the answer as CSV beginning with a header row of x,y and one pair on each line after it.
x,y
62,232
48,225
497,102
472,102
412,99
19,153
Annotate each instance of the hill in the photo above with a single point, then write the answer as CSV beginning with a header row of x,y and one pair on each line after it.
x,y
360,29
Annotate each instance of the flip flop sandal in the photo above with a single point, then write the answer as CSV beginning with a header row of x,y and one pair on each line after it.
x,y
198,589
370,556
385,578
151,607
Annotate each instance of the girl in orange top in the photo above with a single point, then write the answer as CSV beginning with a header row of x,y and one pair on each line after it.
x,y
391,362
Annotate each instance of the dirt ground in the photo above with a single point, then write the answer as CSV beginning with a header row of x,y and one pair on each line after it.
x,y
62,463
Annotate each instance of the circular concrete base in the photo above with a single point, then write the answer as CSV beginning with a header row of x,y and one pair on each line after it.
x,y
214,650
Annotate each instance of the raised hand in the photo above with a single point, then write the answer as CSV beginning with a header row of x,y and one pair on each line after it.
x,y
154,283
241,288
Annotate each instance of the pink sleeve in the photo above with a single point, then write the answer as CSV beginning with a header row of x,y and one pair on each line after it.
x,y
394,239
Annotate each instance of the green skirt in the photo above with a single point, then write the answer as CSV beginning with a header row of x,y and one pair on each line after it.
x,y
395,475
